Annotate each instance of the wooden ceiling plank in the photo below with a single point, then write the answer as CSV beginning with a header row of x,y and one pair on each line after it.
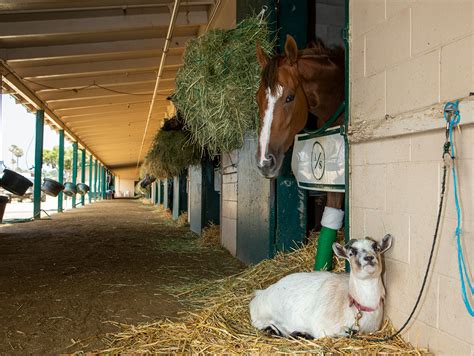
x,y
95,68
107,80
141,89
140,18
88,103
79,50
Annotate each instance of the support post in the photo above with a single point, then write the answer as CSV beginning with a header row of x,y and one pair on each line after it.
x,y
90,179
103,183
99,188
95,180
38,164
74,171
83,174
61,169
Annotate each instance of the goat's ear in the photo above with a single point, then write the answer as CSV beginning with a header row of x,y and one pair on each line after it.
x,y
291,50
339,250
262,56
386,243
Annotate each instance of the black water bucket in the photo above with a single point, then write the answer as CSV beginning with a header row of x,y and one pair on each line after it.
x,y
82,188
15,183
3,204
51,187
70,189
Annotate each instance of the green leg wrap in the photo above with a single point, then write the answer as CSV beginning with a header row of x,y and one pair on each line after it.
x,y
324,253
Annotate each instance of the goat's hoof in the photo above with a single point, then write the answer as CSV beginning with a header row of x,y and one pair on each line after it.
x,y
299,335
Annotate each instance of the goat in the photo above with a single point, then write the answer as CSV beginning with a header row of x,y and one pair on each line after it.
x,y
318,304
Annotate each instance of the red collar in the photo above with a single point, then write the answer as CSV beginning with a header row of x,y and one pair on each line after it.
x,y
360,307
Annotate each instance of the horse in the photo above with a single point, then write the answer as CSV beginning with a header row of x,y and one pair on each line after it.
x,y
293,85
176,123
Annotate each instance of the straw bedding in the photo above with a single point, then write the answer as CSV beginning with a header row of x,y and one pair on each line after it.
x,y
220,322
211,235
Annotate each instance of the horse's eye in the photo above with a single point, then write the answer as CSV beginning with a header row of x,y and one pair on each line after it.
x,y
289,98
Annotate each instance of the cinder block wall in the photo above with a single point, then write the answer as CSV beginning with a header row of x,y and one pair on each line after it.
x,y
229,163
407,59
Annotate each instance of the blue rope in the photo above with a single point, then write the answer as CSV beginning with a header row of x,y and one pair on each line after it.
x,y
453,117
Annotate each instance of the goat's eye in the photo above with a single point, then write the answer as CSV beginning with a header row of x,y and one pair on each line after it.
x,y
289,98
352,252
375,246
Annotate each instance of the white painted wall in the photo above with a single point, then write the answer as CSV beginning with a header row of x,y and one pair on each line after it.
x,y
125,187
407,59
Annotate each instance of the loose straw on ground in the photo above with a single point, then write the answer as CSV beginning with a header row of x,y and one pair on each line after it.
x,y
220,321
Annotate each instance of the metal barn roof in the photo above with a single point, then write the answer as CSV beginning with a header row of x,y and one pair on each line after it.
x,y
92,66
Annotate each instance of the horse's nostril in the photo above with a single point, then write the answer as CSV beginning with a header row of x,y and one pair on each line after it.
x,y
271,161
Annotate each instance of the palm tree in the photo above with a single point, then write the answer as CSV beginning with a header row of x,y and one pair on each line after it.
x,y
17,152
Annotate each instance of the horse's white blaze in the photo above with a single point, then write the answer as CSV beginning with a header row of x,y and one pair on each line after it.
x,y
267,122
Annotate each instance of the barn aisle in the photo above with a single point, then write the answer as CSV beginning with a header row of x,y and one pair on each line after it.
x,y
61,280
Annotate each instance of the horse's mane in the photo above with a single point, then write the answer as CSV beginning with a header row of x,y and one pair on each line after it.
x,y
316,48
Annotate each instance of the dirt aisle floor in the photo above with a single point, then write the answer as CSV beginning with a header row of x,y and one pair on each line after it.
x,y
61,280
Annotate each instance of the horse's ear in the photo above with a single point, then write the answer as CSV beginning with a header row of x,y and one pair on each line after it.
x,y
291,49
262,56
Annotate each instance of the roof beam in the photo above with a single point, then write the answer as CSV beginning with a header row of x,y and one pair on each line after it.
x,y
139,18
132,114
144,90
85,50
28,7
95,68
104,80
111,122
132,109
117,99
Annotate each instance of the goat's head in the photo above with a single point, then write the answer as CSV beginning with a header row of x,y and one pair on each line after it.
x,y
364,255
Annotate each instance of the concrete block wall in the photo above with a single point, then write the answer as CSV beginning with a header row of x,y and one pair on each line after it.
x,y
229,163
407,59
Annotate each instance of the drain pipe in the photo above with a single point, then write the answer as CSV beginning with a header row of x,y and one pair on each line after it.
x,y
174,15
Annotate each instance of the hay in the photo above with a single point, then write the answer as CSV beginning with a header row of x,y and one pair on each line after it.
x,y
216,87
220,324
170,154
211,235
182,220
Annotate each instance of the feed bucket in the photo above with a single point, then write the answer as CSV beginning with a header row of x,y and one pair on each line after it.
x,y
14,182
70,189
82,188
51,187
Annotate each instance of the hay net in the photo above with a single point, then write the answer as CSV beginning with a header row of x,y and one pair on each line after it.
x,y
216,87
170,154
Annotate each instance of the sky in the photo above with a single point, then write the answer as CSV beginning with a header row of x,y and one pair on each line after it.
x,y
17,127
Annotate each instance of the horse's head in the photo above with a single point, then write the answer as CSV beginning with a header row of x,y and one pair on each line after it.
x,y
283,107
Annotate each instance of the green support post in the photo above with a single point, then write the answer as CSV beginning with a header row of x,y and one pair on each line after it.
x,y
38,164
103,182
83,174
61,169
90,179
74,170
99,187
95,180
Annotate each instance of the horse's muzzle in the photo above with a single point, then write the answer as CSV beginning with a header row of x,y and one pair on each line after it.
x,y
268,167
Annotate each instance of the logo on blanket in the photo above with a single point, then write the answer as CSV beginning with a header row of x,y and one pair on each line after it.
x,y
318,160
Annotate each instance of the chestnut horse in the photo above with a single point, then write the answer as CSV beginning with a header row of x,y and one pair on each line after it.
x,y
293,85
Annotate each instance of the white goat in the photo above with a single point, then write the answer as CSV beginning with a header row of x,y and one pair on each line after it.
x,y
318,304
